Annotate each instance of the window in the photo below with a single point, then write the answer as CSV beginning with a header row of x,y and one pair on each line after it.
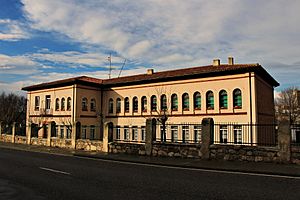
x,y
57,104
83,132
185,134
237,98
185,101
56,131
63,104
197,101
36,103
210,100
69,131
126,104
84,104
223,134
163,102
126,133
174,102
223,99
197,133
153,103
144,104
118,133
135,104
62,130
174,133
237,130
134,133
93,105
143,133
163,133
110,105
118,105
48,102
92,132
69,103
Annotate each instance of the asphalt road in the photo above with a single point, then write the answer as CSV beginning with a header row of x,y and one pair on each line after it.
x,y
29,175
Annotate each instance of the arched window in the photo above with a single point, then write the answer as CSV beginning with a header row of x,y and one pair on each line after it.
x,y
126,104
223,99
185,101
237,98
153,103
110,105
163,102
144,104
69,103
93,104
135,104
118,105
84,104
197,101
174,102
57,104
63,102
210,100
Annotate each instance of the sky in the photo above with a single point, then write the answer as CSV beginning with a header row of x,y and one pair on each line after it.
x,y
43,40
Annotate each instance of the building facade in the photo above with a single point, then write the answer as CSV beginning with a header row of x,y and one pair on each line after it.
x,y
228,93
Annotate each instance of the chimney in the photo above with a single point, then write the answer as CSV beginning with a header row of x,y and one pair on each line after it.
x,y
150,71
216,62
230,60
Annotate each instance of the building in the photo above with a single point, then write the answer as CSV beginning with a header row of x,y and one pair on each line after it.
x,y
228,93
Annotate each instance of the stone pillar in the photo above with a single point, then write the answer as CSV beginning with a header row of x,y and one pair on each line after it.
x,y
49,134
105,137
73,135
284,142
28,133
150,133
13,134
207,137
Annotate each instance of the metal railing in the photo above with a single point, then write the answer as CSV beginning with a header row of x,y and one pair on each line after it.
x,y
185,133
245,134
129,134
295,134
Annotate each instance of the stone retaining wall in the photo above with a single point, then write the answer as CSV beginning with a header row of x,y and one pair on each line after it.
x,y
20,139
244,153
295,154
127,148
5,138
62,143
89,145
38,141
177,150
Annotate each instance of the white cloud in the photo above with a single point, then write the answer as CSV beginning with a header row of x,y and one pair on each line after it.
x,y
20,65
12,30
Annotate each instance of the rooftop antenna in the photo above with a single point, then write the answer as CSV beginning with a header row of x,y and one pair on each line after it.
x,y
109,59
122,67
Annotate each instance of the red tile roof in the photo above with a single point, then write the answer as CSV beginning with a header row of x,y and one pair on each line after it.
x,y
179,74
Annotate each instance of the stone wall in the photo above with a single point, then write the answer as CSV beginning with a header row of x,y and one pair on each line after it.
x,y
38,141
177,150
127,148
89,145
244,153
5,138
20,139
62,143
295,154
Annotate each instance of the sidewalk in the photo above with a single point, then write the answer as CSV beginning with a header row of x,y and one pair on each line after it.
x,y
234,166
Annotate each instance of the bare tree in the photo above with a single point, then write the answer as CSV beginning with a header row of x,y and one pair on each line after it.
x,y
288,104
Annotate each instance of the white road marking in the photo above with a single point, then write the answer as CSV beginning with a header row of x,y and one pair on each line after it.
x,y
196,169
55,171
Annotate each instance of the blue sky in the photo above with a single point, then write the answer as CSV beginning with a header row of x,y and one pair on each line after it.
x,y
42,40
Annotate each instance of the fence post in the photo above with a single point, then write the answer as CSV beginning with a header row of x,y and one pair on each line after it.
x,y
150,134
105,136
28,133
73,135
49,134
0,130
207,137
284,141
13,134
